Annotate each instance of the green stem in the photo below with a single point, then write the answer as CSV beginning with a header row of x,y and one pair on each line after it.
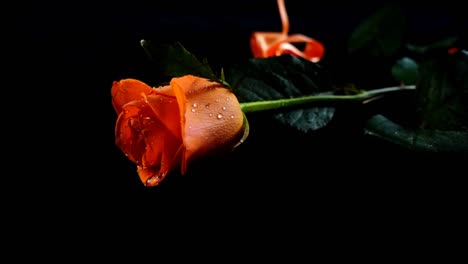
x,y
363,97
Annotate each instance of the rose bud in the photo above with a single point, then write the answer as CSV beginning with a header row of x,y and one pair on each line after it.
x,y
165,128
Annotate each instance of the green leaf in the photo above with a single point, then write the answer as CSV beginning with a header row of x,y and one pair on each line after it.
x,y
420,140
173,60
286,76
405,70
442,92
380,34
443,44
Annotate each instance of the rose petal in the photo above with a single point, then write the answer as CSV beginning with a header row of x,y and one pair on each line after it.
x,y
149,141
166,110
128,90
211,116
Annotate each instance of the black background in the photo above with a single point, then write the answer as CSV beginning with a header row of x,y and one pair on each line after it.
x,y
66,55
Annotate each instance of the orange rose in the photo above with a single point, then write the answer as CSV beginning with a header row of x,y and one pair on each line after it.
x,y
161,129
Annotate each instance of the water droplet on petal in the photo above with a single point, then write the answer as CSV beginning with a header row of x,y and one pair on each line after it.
x,y
193,110
154,180
219,116
210,114
232,116
195,105
224,108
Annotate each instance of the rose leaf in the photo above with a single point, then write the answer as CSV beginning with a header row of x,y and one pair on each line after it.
x,y
173,60
260,79
417,139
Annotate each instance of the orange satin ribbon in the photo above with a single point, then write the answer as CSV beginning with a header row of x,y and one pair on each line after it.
x,y
269,44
